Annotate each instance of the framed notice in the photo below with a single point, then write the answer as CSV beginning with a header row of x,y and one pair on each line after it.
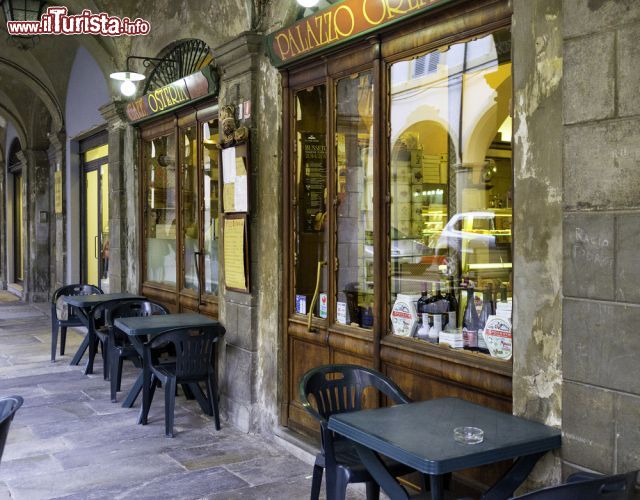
x,y
57,178
235,178
235,244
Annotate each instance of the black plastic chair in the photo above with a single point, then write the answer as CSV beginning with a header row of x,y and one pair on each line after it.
x,y
339,389
72,319
194,362
119,346
590,487
8,408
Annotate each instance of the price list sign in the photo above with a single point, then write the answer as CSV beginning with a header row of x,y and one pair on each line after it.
x,y
314,158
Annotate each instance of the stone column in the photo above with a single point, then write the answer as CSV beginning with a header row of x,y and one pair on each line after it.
x,y
57,233
36,214
3,225
238,63
122,193
537,219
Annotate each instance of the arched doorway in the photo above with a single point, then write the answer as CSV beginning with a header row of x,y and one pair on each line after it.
x,y
17,199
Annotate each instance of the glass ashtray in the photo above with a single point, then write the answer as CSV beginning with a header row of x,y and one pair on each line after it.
x,y
468,435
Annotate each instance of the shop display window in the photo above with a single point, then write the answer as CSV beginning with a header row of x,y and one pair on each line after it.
x,y
311,222
354,208
451,185
159,163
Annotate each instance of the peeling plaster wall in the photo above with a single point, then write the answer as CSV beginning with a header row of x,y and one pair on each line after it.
x,y
601,237
537,316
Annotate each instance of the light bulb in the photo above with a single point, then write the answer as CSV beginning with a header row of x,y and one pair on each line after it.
x,y
308,3
128,88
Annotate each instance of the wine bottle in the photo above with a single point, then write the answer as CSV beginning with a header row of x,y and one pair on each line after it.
x,y
470,322
421,307
453,305
487,310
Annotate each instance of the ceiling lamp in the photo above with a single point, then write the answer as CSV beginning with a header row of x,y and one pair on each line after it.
x,y
308,3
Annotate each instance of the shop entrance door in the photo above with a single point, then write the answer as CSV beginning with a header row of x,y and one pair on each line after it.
x,y
18,249
95,215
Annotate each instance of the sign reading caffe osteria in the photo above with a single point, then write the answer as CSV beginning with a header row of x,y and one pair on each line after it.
x,y
188,89
342,21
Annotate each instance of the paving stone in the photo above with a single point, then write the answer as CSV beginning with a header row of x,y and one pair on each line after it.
x,y
267,469
70,441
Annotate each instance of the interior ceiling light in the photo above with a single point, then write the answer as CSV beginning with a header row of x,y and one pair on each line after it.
x,y
308,3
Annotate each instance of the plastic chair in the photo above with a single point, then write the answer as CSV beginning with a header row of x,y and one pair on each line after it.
x,y
194,362
72,319
339,389
8,408
119,346
582,486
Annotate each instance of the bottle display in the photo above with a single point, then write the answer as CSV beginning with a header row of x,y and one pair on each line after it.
x,y
470,322
487,310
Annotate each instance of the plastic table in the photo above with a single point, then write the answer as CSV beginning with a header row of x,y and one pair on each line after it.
x,y
420,435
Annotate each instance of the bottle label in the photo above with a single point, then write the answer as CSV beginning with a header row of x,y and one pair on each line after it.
x,y
470,337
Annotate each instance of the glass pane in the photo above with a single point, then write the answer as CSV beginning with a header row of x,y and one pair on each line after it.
x,y
211,214
91,221
354,165
189,200
311,183
451,186
97,152
160,209
17,224
104,253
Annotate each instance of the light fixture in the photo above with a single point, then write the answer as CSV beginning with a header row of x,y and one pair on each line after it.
x,y
23,10
308,3
127,77
128,88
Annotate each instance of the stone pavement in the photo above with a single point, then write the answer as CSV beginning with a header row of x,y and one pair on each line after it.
x,y
69,441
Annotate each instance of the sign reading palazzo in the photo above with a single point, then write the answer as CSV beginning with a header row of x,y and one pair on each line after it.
x,y
189,88
342,21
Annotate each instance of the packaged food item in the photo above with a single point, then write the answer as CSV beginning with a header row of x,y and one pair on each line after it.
x,y
404,317
498,337
452,337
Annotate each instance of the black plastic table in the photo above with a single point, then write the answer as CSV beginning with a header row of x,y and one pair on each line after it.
x,y
420,435
84,304
139,328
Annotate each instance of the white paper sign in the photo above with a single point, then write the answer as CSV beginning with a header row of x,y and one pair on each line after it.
x,y
240,194
342,312
228,165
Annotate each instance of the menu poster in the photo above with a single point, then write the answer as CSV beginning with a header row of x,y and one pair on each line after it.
x,y
57,178
235,185
235,253
314,179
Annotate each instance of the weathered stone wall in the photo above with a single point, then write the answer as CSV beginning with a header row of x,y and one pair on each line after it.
x,y
601,305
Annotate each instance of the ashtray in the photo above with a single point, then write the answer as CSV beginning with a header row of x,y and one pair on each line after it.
x,y
468,435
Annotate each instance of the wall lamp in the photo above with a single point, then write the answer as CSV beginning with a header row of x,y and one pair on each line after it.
x,y
128,77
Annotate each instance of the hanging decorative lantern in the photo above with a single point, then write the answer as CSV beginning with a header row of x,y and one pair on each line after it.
x,y
23,10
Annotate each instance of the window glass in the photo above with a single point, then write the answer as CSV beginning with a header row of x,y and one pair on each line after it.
x,y
354,166
160,209
311,193
211,214
451,185
189,204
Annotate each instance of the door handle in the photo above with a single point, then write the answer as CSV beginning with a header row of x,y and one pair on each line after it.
x,y
315,293
197,255
95,246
